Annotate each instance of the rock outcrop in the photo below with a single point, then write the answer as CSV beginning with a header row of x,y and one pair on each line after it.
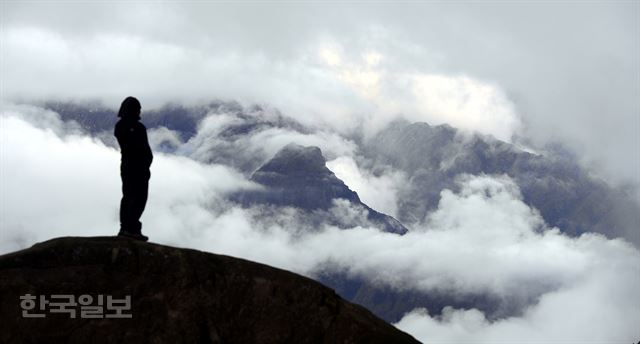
x,y
177,296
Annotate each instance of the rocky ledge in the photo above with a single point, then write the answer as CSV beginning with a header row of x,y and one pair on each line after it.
x,y
176,296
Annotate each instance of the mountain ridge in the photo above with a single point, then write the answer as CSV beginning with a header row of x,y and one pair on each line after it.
x,y
430,157
298,176
566,195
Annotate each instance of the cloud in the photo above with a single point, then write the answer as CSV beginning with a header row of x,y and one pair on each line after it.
x,y
481,239
492,68
600,306
59,183
459,100
256,141
380,192
341,97
48,192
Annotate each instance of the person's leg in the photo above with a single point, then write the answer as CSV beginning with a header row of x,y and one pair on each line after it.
x,y
134,198
139,201
125,203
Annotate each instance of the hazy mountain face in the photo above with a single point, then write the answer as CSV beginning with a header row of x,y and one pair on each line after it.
x,y
297,176
484,217
565,194
431,156
506,231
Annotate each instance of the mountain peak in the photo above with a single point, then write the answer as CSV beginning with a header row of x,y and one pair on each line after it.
x,y
294,158
176,295
297,176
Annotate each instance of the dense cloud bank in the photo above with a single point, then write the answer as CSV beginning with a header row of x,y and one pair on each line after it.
x,y
539,71
481,238
538,76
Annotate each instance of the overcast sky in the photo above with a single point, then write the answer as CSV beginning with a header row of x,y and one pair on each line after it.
x,y
566,71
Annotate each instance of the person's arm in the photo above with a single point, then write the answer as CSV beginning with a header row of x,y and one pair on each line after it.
x,y
143,150
134,144
120,132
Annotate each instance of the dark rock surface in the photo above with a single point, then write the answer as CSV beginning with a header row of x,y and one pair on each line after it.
x,y
177,296
298,176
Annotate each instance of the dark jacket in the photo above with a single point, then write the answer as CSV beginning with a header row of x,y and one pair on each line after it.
x,y
134,144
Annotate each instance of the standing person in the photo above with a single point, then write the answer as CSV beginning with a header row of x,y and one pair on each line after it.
x,y
134,168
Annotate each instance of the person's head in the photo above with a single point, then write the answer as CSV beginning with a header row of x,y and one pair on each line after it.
x,y
130,108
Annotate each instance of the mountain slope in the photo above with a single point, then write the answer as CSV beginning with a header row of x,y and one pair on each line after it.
x,y
567,196
298,176
177,295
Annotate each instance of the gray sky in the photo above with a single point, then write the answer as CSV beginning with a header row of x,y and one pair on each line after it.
x,y
566,71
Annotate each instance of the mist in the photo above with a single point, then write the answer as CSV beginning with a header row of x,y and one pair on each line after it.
x,y
490,68
481,239
332,76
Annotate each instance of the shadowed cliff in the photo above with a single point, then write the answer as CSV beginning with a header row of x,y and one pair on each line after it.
x,y
298,176
177,295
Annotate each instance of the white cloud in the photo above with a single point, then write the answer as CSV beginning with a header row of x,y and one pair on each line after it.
x,y
482,239
484,68
163,138
380,192
259,145
51,185
570,80
466,103
60,183
273,139
601,306
340,95
461,101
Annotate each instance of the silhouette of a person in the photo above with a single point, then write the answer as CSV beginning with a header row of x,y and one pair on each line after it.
x,y
134,168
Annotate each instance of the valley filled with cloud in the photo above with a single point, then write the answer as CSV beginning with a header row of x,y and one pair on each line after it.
x,y
519,196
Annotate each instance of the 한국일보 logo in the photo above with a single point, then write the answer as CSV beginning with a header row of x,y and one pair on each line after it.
x,y
38,306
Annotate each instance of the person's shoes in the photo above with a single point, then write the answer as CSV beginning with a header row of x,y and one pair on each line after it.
x,y
135,236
